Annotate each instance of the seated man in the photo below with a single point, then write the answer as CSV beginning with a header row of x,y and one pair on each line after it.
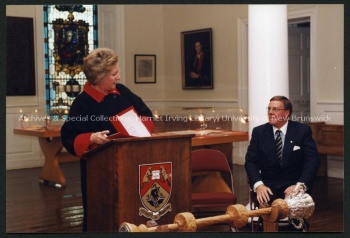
x,y
281,154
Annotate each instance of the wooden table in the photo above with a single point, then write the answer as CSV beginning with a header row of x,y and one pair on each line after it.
x,y
50,144
211,137
215,139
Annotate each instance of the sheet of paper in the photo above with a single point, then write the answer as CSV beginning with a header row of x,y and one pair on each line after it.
x,y
133,124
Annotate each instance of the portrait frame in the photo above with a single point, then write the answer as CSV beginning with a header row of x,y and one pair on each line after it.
x,y
197,59
145,66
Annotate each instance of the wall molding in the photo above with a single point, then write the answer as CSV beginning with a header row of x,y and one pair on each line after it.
x,y
332,111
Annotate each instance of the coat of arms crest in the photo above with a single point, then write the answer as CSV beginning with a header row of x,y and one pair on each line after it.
x,y
155,189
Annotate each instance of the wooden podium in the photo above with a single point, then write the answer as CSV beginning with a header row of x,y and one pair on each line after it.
x,y
117,188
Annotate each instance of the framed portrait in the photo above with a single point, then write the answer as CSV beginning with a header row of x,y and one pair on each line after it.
x,y
145,68
197,59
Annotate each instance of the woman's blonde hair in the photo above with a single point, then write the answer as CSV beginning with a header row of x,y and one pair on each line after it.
x,y
98,63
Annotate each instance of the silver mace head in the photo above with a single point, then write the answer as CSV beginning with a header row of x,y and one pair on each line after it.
x,y
301,205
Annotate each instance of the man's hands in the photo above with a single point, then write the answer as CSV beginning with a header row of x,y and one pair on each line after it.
x,y
263,194
194,75
289,190
99,137
296,189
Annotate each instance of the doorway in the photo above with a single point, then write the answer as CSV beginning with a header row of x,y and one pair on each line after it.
x,y
299,68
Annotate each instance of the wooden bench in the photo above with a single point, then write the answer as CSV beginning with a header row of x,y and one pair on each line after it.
x,y
329,139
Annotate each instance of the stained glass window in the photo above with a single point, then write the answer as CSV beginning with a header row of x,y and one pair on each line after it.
x,y
70,33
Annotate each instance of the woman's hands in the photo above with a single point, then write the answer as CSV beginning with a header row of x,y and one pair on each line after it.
x,y
99,137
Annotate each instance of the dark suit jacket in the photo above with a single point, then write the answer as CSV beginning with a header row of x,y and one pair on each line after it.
x,y
298,165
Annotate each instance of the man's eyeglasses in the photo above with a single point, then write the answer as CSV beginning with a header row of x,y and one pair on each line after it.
x,y
274,109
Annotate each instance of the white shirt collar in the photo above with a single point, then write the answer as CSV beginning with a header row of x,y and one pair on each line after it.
x,y
283,129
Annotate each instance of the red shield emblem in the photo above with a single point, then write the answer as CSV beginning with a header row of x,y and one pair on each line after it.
x,y
155,189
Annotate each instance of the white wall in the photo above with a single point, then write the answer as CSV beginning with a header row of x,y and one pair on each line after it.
x,y
331,53
330,91
223,21
144,34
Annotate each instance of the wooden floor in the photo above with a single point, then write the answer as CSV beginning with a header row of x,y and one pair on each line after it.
x,y
35,208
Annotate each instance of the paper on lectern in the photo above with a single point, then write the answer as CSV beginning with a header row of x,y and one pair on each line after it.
x,y
129,122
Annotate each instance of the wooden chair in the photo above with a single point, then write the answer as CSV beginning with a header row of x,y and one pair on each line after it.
x,y
212,183
254,222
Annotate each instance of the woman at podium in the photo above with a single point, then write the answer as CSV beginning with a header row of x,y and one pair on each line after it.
x,y
92,116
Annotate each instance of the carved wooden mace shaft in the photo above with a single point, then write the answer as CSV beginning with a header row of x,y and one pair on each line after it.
x,y
235,215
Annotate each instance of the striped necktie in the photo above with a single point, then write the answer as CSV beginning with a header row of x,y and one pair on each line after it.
x,y
279,146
